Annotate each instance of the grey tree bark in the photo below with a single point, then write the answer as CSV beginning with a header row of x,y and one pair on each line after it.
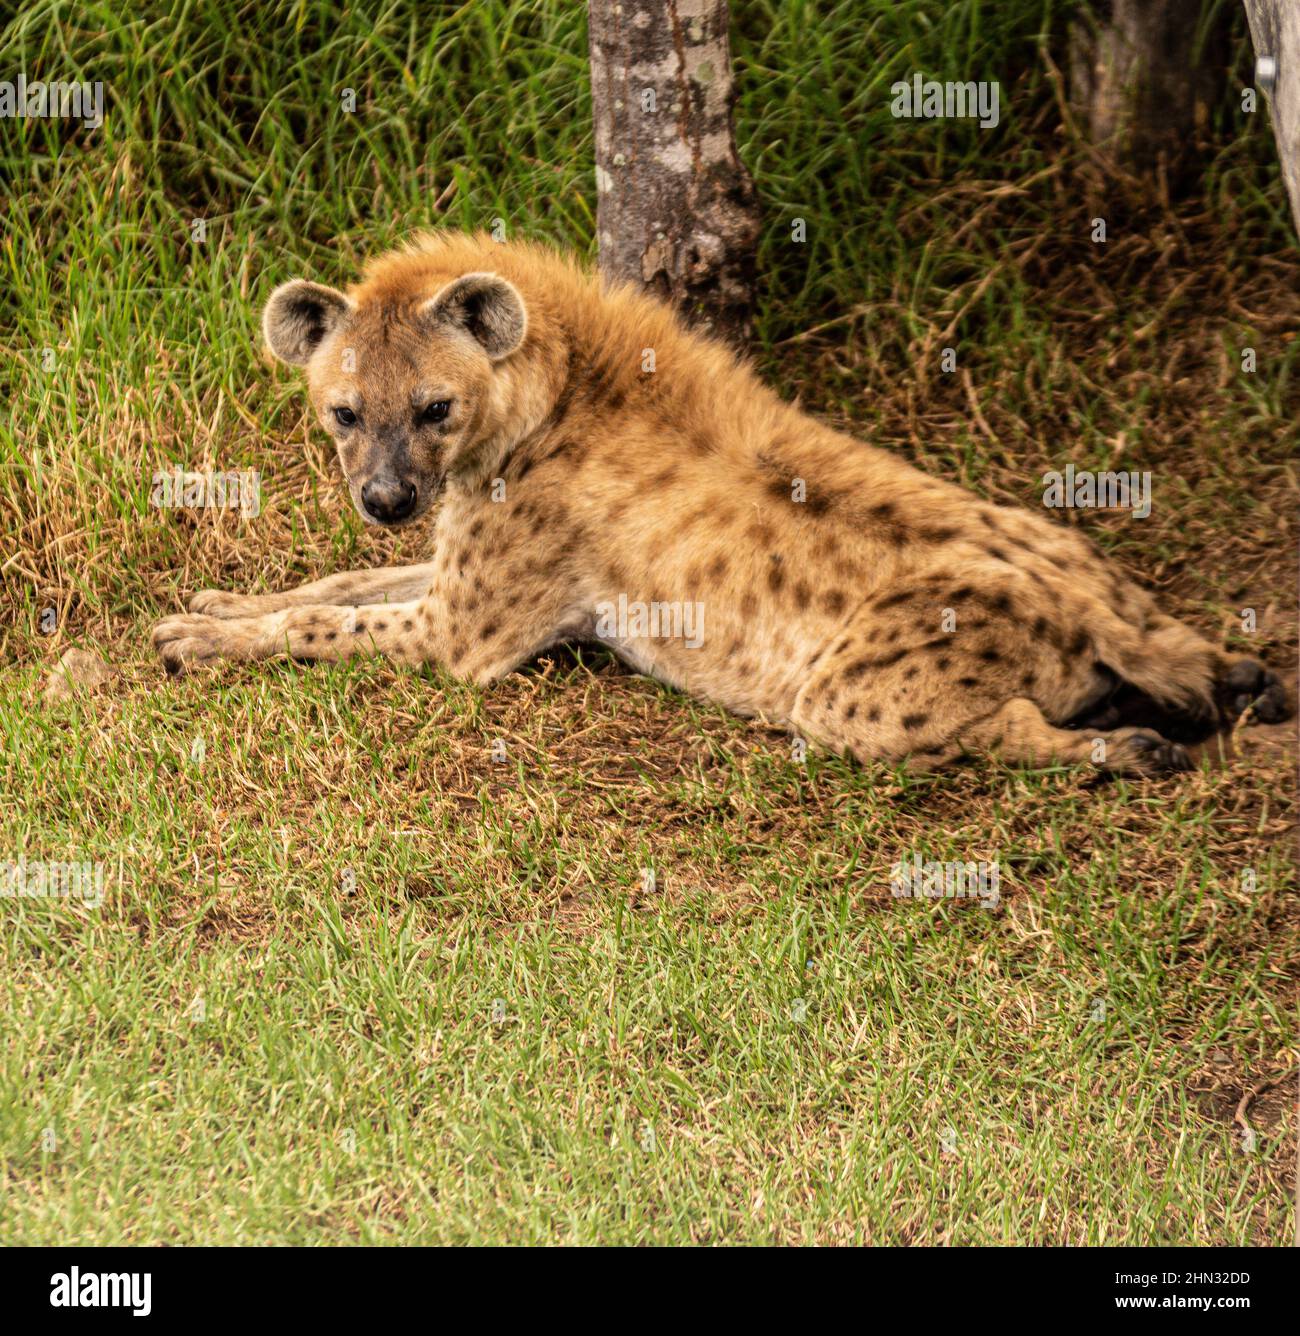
x,y
1135,84
1275,31
676,208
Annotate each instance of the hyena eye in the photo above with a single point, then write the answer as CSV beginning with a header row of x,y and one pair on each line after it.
x,y
345,417
436,411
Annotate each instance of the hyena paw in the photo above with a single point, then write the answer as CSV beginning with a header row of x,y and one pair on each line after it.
x,y
1140,751
1248,683
185,639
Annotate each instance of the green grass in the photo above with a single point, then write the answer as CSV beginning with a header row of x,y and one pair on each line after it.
x,y
346,1077
438,1002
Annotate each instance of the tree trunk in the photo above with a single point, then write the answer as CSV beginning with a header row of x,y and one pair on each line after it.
x,y
1134,83
677,212
1275,31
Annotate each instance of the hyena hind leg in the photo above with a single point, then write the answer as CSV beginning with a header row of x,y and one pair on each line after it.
x,y
1184,688
392,584
1019,732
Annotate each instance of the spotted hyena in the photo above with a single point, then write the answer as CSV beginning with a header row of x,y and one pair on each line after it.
x,y
604,473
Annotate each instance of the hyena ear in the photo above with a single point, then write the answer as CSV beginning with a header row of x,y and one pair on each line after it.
x,y
485,306
297,317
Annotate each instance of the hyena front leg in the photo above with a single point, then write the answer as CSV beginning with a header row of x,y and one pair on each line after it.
x,y
400,631
394,584
421,630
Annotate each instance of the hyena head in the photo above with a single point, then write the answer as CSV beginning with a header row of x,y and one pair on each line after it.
x,y
403,382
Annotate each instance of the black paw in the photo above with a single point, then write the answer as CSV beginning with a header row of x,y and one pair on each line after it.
x,y
1155,755
1248,683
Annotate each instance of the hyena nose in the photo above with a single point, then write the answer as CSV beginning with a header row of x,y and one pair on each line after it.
x,y
388,500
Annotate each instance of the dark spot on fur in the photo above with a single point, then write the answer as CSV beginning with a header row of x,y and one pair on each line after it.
x,y
911,721
859,667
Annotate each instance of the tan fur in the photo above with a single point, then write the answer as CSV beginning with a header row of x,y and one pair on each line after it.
x,y
886,614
